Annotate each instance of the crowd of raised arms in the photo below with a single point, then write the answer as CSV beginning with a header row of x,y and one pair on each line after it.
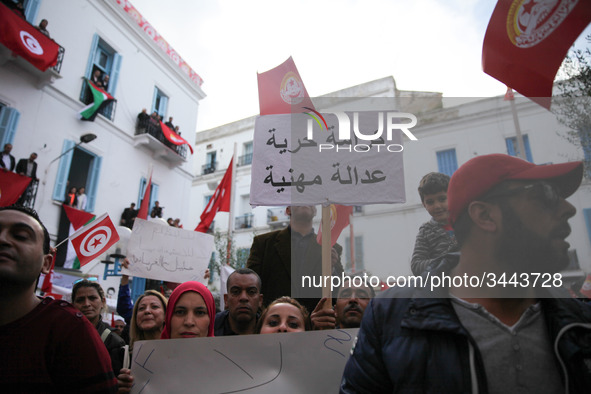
x,y
497,214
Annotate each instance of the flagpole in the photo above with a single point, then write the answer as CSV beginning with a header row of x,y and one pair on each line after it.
x,y
231,210
352,244
519,137
326,251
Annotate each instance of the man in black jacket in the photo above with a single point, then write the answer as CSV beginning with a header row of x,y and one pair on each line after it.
x,y
493,318
28,167
6,159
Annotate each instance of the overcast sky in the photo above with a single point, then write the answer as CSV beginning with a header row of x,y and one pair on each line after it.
x,y
431,45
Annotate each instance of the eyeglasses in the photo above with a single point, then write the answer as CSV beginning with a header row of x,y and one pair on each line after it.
x,y
547,193
89,279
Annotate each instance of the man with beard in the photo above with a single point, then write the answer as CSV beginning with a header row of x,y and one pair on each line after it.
x,y
46,344
293,252
508,333
243,301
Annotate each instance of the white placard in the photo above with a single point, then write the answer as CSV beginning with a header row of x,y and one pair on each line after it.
x,y
307,362
289,167
167,253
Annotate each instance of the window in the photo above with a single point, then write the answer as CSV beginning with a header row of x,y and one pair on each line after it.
x,y
153,194
160,102
104,59
241,257
210,163
513,147
246,158
31,9
8,122
359,264
78,167
447,161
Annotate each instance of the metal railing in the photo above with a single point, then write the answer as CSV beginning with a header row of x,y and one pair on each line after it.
x,y
245,160
60,58
29,196
243,221
209,168
149,126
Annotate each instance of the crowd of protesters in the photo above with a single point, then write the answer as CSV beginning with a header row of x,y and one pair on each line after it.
x,y
153,124
496,213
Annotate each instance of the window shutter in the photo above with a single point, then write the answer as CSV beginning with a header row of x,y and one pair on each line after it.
x,y
59,189
9,118
92,183
114,77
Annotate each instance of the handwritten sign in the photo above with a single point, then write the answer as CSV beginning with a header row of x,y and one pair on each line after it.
x,y
307,362
296,161
167,253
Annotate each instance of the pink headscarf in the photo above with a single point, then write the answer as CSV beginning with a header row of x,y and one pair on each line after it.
x,y
176,294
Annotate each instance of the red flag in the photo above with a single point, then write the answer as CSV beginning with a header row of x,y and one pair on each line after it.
x,y
220,201
586,288
143,212
94,239
339,219
77,217
526,41
281,87
12,186
26,41
174,137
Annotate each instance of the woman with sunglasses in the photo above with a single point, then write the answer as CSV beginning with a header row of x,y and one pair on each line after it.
x,y
89,298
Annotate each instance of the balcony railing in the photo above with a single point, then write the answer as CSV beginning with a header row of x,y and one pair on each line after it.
x,y
277,217
243,221
108,111
148,126
245,160
209,168
29,196
60,58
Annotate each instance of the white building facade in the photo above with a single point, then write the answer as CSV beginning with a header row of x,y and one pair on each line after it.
x,y
39,111
449,132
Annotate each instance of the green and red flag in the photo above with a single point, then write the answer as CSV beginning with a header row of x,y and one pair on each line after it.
x,y
100,99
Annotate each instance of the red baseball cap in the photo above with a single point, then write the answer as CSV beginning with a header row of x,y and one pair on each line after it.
x,y
480,174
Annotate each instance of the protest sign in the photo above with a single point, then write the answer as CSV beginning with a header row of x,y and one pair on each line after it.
x,y
349,158
305,362
167,253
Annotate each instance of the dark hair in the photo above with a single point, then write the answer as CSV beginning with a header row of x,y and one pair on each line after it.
x,y
32,213
87,283
244,271
433,182
285,300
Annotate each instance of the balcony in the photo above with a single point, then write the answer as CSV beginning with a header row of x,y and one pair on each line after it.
x,y
149,135
276,217
243,221
209,168
245,160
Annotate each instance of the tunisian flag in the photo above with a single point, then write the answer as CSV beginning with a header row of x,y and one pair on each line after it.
x,y
173,137
339,219
26,41
94,239
12,186
526,41
220,201
282,87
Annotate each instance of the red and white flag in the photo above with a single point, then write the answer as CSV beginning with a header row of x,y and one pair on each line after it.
x,y
526,41
24,40
586,288
94,239
12,186
220,201
282,87
145,205
339,219
173,137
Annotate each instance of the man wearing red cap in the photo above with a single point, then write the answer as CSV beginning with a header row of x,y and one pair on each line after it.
x,y
493,318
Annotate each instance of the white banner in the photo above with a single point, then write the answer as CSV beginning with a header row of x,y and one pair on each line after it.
x,y
306,362
298,162
167,253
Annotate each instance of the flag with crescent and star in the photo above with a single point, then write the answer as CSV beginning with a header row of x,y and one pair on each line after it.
x,y
94,239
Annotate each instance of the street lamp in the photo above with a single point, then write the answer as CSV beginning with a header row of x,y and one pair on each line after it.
x,y
84,139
